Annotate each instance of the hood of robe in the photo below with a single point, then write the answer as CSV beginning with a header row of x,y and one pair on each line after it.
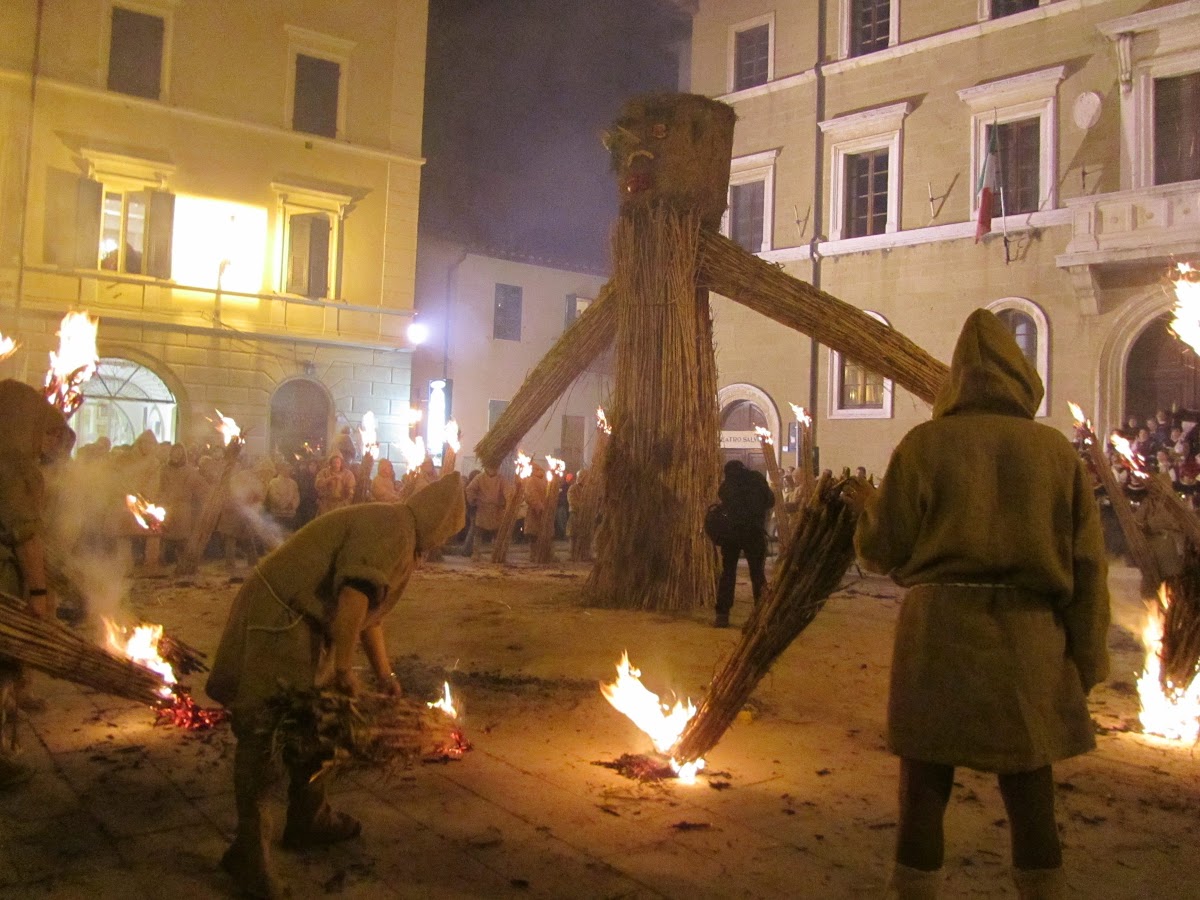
x,y
989,373
440,509
26,416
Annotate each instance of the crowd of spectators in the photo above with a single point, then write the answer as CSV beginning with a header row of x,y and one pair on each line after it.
x,y
1167,443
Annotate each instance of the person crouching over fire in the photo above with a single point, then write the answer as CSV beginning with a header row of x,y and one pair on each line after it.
x,y
295,624
988,518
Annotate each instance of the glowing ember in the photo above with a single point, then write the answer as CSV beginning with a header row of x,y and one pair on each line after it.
x,y
801,416
7,347
229,429
366,431
185,713
602,421
148,516
554,468
140,645
663,724
1172,714
451,435
524,465
764,434
74,363
445,703
1186,324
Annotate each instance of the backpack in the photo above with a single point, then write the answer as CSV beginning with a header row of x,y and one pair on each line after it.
x,y
719,525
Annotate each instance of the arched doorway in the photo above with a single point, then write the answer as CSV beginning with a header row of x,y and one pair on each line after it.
x,y
738,438
300,415
123,399
1161,373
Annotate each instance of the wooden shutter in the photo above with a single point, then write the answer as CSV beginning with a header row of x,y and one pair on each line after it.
x,y
318,257
160,224
298,229
89,196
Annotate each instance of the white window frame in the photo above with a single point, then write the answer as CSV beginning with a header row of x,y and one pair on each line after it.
x,y
1158,43
985,10
293,200
874,129
1042,326
731,51
747,170
163,9
835,387
1030,96
122,174
846,24
302,41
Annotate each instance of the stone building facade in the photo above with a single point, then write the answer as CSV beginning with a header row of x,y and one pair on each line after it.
x,y
862,129
232,190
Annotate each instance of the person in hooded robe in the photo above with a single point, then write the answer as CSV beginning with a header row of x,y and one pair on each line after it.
x,y
33,434
988,519
295,624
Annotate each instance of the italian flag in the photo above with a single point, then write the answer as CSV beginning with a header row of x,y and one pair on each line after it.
x,y
986,189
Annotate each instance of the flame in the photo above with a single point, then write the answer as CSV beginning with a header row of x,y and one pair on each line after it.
x,y
414,452
141,646
1173,714
1186,324
602,421
764,434
450,432
1078,415
555,468
663,724
148,515
411,416
366,431
229,429
445,703
801,415
1125,450
74,363
524,465
7,347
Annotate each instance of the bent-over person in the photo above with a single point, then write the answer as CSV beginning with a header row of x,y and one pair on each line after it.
x,y
295,624
988,519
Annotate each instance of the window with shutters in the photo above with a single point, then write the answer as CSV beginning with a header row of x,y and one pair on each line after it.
x,y
118,217
317,82
138,48
865,153
750,215
312,223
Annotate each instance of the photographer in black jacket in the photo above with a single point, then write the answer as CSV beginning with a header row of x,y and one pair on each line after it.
x,y
746,498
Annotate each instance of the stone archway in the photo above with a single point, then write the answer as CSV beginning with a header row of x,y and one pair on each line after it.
x,y
743,407
301,419
123,399
1139,314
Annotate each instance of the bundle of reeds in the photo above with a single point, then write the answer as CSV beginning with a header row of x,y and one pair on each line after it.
x,y
583,518
585,339
783,522
47,646
661,467
542,551
369,730
1179,655
362,479
734,272
821,551
508,522
193,550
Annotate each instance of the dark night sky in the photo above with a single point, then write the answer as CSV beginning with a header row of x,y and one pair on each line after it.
x,y
517,95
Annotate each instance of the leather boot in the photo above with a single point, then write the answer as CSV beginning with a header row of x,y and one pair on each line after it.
x,y
1040,884
311,822
908,883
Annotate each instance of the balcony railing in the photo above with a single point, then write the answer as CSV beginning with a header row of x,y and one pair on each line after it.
x,y
1134,226
266,316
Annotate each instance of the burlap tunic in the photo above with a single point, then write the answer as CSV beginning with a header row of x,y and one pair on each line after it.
x,y
990,519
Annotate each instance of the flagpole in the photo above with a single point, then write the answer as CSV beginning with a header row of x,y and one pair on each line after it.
x,y
1000,185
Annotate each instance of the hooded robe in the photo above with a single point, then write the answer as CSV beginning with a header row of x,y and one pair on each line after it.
x,y
989,519
278,631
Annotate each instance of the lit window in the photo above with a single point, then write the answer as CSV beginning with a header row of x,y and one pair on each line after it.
x,y
135,53
856,392
870,26
751,53
219,243
1177,128
575,307
506,314
312,235
123,231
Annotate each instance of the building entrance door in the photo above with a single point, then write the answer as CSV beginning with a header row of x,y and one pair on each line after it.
x,y
1161,373
122,400
738,438
300,414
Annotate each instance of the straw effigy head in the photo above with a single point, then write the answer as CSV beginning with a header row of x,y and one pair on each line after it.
x,y
673,149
